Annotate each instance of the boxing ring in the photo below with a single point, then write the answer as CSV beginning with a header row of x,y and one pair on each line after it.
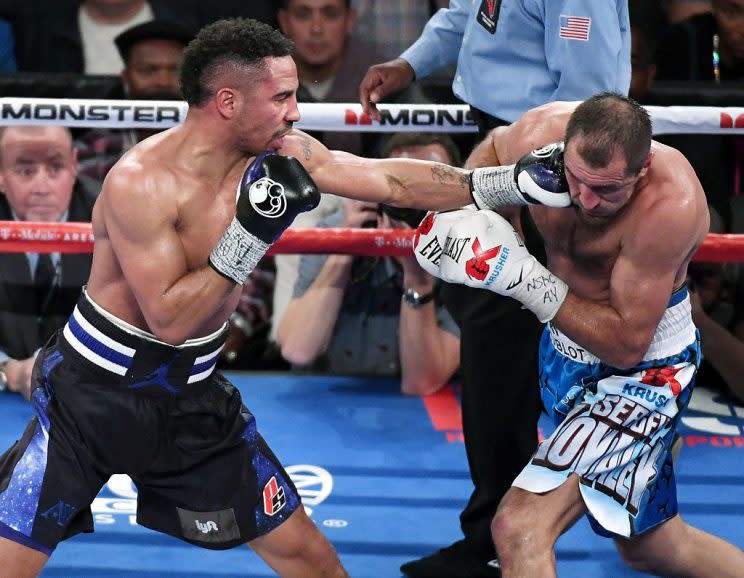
x,y
382,475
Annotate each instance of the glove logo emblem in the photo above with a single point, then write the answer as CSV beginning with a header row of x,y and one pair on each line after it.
x,y
423,228
267,198
477,267
547,150
516,282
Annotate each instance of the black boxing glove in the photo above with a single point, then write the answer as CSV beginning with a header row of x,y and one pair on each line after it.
x,y
273,191
538,178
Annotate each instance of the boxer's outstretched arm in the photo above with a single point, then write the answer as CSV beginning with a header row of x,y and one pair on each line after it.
x,y
174,300
397,182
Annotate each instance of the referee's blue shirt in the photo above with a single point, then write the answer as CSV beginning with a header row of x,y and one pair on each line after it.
x,y
539,51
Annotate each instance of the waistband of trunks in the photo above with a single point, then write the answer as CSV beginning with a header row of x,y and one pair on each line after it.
x,y
674,332
135,359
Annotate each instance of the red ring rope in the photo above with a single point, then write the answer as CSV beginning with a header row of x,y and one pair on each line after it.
x,y
29,236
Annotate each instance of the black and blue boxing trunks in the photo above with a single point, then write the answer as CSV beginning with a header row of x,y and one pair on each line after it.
x,y
111,398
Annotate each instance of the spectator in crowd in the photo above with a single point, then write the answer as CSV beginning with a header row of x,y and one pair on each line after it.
x,y
534,51
330,64
330,61
346,312
703,151
152,54
685,53
78,37
646,22
38,291
679,10
720,320
391,26
100,23
261,10
687,50
7,48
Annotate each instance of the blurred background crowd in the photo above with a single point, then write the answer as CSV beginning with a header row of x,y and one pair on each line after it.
x,y
338,314
686,52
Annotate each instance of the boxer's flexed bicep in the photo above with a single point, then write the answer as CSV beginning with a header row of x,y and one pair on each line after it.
x,y
648,268
146,243
505,145
536,128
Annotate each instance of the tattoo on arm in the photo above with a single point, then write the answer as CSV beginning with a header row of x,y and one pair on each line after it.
x,y
444,174
307,150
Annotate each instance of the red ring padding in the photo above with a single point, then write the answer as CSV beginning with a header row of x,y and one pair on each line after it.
x,y
29,236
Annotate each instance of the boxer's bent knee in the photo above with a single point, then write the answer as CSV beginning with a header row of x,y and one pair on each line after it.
x,y
514,527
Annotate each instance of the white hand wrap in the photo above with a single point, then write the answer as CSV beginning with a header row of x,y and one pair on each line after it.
x,y
494,187
540,291
237,253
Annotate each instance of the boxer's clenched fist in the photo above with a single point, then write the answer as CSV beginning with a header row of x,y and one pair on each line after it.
x,y
272,192
538,178
428,241
483,250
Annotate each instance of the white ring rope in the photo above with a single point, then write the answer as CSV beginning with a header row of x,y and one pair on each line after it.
x,y
453,118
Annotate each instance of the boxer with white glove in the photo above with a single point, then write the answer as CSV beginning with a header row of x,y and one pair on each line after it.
x,y
538,178
428,241
483,250
272,192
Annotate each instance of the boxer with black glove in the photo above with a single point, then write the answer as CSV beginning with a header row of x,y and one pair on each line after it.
x,y
538,178
273,191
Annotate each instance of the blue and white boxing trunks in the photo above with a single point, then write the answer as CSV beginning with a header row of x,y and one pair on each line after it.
x,y
616,426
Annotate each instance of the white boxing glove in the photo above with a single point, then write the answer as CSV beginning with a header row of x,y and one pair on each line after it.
x,y
428,240
483,250
538,178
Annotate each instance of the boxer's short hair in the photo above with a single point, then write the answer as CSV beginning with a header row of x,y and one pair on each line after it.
x,y
225,46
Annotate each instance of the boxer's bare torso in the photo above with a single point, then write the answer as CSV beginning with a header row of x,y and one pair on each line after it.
x,y
583,250
161,182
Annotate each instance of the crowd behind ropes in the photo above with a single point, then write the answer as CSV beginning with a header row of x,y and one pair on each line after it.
x,y
683,49
342,314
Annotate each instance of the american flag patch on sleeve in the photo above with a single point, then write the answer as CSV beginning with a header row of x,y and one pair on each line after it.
x,y
575,27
